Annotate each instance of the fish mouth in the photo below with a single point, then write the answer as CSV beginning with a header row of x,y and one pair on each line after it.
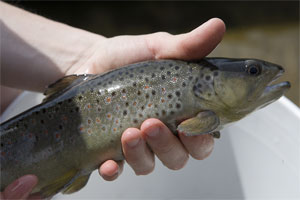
x,y
273,92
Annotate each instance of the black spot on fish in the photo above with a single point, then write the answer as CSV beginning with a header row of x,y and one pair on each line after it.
x,y
138,92
77,109
126,104
99,83
140,115
170,96
98,101
135,121
146,79
36,112
157,114
209,94
147,96
126,72
163,77
125,112
163,112
80,97
69,100
131,75
121,79
140,77
109,82
120,73
91,90
60,127
168,73
199,85
183,84
143,107
172,112
36,138
170,65
177,67
177,93
153,75
141,71
113,93
123,90
207,78
99,93
178,105
153,92
190,78
44,110
161,68
103,128
42,121
2,144
170,106
134,84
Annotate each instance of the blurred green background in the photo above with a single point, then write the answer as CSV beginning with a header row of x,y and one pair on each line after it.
x,y
267,30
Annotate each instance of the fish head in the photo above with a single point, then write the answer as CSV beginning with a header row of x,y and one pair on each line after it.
x,y
244,85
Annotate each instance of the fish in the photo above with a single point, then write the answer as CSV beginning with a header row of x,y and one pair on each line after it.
x,y
79,124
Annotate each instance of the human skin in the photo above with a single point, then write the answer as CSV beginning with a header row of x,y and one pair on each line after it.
x,y
48,50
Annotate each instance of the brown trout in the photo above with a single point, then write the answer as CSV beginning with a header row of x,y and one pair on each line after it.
x,y
79,124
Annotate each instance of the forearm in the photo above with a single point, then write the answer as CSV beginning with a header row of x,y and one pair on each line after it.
x,y
36,51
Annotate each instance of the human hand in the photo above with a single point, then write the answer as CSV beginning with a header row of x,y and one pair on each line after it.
x,y
118,51
21,188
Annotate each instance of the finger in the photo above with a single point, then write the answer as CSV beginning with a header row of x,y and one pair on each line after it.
x,y
165,144
110,170
20,188
193,45
199,146
136,152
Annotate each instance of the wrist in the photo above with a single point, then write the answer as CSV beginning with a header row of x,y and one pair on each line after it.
x,y
37,51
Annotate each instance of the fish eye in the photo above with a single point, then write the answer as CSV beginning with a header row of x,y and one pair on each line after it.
x,y
254,69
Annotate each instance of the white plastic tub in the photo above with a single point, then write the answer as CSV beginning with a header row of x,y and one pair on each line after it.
x,y
256,158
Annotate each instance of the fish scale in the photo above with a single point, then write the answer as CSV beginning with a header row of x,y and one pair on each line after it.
x,y
80,123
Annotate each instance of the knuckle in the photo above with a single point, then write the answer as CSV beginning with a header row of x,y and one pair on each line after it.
x,y
178,163
145,170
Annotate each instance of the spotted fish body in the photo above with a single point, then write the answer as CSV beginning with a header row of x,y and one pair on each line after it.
x,y
80,123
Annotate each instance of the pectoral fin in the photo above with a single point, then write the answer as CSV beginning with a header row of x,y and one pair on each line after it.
x,y
205,122
216,134
78,183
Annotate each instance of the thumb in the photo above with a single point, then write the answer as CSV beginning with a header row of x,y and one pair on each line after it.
x,y
192,45
20,188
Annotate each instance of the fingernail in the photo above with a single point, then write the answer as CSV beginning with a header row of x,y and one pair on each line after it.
x,y
133,143
18,189
153,132
18,183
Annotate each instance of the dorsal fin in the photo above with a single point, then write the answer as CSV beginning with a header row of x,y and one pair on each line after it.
x,y
63,84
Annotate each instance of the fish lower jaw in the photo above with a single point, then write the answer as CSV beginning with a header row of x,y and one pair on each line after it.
x,y
277,87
